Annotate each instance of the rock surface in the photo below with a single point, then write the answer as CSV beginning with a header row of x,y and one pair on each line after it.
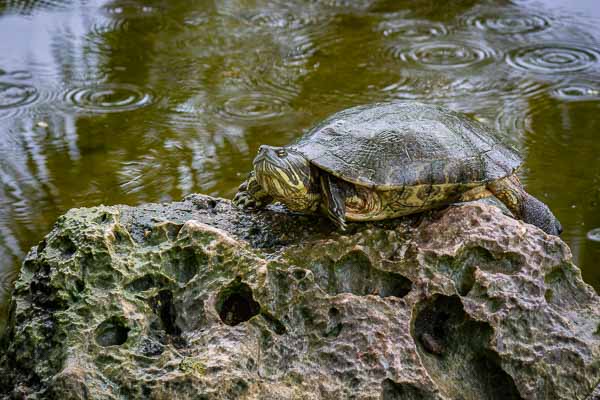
x,y
198,300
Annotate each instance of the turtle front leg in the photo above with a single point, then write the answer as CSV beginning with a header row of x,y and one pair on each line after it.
x,y
524,206
251,195
334,199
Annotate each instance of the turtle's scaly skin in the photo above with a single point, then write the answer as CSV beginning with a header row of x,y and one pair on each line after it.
x,y
388,160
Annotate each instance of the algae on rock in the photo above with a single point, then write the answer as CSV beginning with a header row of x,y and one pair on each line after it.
x,y
196,299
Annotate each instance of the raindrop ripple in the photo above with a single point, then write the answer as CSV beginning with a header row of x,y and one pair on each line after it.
x,y
508,24
413,30
445,55
550,58
14,97
577,92
106,98
253,107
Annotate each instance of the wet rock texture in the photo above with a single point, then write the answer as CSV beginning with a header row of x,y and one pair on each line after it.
x,y
198,300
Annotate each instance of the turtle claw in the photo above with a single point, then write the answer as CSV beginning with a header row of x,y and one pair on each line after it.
x,y
243,200
246,201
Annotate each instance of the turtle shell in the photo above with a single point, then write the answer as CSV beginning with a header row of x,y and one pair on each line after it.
x,y
391,145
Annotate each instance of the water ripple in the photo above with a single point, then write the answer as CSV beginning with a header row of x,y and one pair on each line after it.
x,y
577,92
21,75
277,79
445,55
515,122
106,98
102,34
16,94
412,29
14,97
508,24
551,58
411,88
516,118
253,107
504,87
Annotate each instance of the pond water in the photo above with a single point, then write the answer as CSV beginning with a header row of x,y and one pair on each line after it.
x,y
132,101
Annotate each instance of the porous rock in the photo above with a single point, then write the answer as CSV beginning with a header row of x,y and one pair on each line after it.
x,y
199,300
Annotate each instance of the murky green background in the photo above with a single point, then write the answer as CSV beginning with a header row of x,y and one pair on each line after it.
x,y
135,101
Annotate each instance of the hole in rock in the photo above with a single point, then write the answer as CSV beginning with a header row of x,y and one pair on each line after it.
x,y
455,350
112,332
299,274
235,303
163,306
65,245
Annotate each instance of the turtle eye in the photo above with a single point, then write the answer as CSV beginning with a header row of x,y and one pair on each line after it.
x,y
281,153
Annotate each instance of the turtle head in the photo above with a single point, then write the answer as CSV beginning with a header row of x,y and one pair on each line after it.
x,y
286,175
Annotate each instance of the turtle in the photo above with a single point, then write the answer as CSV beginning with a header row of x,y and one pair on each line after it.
x,y
387,160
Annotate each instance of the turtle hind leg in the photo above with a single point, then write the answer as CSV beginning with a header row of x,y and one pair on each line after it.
x,y
334,200
537,213
251,195
524,206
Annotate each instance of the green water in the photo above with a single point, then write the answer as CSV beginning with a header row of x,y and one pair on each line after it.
x,y
146,101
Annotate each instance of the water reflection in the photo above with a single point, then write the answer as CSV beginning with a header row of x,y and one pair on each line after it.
x,y
132,101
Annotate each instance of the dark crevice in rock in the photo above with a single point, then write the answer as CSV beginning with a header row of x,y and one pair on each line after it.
x,y
466,281
456,352
275,324
112,332
147,281
391,390
79,285
105,218
163,306
235,303
334,324
354,273
65,246
41,291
